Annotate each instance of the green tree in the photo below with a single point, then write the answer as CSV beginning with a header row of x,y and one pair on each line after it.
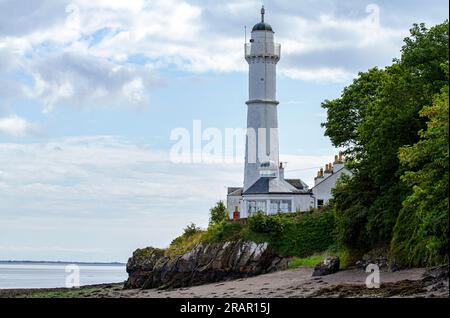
x,y
375,116
421,233
218,213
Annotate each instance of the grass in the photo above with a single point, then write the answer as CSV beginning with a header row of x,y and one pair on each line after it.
x,y
313,260
184,243
309,261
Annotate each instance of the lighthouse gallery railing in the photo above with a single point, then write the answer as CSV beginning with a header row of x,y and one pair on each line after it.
x,y
262,50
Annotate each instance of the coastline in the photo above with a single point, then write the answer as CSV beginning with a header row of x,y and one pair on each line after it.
x,y
293,283
25,262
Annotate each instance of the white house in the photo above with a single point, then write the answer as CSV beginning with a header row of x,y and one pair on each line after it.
x,y
326,180
265,188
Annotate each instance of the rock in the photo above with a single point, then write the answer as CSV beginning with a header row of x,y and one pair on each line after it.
x,y
379,257
141,264
151,268
437,277
329,266
393,267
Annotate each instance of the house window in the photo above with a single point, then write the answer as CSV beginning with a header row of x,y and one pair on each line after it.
x,y
254,206
320,203
277,206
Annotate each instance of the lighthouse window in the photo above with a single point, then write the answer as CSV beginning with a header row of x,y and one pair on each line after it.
x,y
262,79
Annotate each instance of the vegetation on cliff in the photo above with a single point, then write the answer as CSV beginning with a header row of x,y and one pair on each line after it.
x,y
292,234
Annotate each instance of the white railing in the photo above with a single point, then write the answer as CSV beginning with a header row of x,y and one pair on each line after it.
x,y
262,50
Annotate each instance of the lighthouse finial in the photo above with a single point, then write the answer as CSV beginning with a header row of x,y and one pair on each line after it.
x,y
262,13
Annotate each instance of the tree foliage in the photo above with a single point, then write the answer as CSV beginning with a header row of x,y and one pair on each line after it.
x,y
218,213
375,117
421,233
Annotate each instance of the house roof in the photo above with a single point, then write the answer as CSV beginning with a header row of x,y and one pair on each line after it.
x,y
274,186
332,176
235,191
298,183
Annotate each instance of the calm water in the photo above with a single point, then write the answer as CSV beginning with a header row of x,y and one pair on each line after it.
x,y
44,275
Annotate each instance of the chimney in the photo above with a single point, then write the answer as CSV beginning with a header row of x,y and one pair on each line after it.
x,y
319,177
338,162
328,170
281,171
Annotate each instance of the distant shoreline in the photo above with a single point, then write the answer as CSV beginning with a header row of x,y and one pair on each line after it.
x,y
62,263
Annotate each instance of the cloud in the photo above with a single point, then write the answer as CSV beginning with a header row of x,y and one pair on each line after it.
x,y
107,192
15,126
84,81
79,52
72,175
337,75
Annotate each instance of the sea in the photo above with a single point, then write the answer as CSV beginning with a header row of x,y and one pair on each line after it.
x,y
51,275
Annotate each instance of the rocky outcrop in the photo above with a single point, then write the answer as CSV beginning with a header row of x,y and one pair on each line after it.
x,y
329,265
378,257
204,263
436,280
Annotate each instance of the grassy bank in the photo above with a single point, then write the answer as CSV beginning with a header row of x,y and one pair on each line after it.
x,y
300,234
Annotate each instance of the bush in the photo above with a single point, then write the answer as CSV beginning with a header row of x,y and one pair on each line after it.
x,y
188,232
191,236
221,232
299,234
261,223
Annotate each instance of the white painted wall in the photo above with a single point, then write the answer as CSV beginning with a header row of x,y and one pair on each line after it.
x,y
322,191
303,202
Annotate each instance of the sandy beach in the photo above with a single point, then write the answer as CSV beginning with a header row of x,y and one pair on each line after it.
x,y
297,283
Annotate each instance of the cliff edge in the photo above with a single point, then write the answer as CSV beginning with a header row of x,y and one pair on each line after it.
x,y
204,263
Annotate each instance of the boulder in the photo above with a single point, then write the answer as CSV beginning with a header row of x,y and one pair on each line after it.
x,y
379,257
204,263
330,265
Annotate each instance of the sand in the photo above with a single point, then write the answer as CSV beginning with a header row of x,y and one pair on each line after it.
x,y
290,283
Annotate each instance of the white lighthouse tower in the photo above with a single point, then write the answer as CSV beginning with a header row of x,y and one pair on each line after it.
x,y
261,152
265,188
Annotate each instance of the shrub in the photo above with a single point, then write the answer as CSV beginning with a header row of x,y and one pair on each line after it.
x,y
296,234
222,231
191,235
218,213
188,232
261,223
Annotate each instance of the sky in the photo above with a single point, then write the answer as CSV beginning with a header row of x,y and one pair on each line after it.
x,y
92,94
